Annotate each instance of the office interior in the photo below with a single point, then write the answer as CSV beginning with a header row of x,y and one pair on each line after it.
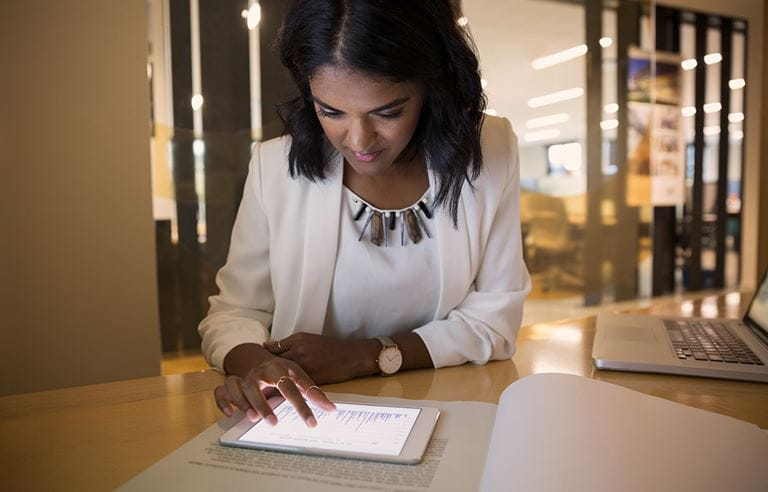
x,y
641,128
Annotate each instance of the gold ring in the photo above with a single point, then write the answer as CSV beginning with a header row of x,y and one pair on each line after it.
x,y
281,380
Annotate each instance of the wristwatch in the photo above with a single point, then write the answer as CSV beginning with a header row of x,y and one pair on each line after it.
x,y
390,358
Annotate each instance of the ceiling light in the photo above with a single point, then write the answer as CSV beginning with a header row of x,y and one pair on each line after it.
x,y
606,42
736,83
689,64
711,130
611,108
712,107
713,58
555,97
559,57
462,21
254,16
736,117
609,124
197,102
688,111
553,119
542,135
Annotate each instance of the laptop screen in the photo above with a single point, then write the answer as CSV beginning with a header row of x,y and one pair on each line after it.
x,y
757,316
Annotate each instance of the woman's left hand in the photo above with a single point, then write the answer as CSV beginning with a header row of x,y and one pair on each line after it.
x,y
328,360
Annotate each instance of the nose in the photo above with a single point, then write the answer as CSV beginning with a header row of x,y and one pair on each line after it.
x,y
361,135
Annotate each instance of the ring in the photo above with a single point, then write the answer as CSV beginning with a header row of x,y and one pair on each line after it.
x,y
279,347
281,380
313,386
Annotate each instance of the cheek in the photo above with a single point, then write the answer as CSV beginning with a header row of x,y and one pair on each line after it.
x,y
332,132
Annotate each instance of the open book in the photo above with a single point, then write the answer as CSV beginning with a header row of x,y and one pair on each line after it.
x,y
549,432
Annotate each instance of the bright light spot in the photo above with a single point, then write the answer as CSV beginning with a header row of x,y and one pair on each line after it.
x,y
567,156
686,308
733,299
689,64
606,42
688,111
254,16
712,107
149,70
709,307
737,84
611,108
555,97
713,58
609,124
462,21
547,120
542,135
197,102
736,117
491,112
711,130
559,57
244,14
483,83
198,147
737,135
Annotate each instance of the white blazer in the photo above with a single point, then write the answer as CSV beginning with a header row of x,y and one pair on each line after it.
x,y
278,275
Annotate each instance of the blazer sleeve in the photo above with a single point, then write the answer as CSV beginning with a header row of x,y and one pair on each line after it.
x,y
242,311
484,325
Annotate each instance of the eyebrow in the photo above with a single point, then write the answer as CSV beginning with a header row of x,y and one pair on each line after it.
x,y
389,105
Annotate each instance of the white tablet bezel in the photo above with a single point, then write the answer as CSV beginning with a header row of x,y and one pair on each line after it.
x,y
412,452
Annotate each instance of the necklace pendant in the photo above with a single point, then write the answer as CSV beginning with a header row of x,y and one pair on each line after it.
x,y
414,232
377,229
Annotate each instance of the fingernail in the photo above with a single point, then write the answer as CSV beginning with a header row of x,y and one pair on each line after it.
x,y
311,422
252,415
272,420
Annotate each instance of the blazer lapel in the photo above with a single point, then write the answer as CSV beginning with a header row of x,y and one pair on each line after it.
x,y
320,247
453,247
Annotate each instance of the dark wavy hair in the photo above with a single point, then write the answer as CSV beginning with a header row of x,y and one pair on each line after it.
x,y
399,40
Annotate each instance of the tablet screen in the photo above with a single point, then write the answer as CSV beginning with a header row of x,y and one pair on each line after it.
x,y
354,428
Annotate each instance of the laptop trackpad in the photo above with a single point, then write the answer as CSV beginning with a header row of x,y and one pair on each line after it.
x,y
630,333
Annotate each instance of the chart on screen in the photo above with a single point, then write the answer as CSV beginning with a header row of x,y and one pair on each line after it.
x,y
352,427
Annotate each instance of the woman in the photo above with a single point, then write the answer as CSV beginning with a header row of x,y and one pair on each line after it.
x,y
382,232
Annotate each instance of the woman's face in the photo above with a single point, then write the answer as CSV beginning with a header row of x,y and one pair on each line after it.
x,y
369,121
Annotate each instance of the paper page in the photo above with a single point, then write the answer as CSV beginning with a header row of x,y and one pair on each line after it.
x,y
453,462
563,432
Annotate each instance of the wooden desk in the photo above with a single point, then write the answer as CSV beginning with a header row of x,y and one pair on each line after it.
x,y
97,437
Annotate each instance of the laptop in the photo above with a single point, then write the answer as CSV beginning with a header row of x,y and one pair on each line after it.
x,y
716,348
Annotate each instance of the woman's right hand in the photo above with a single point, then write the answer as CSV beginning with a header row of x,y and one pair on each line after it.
x,y
255,374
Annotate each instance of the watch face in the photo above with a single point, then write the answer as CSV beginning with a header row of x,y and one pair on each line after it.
x,y
390,360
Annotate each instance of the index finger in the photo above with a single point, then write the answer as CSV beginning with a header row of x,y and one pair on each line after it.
x,y
291,393
311,391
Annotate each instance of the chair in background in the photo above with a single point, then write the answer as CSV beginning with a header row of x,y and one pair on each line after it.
x,y
550,248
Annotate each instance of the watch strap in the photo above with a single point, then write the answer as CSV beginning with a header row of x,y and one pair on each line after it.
x,y
386,342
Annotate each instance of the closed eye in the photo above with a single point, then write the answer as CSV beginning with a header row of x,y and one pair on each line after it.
x,y
329,114
391,115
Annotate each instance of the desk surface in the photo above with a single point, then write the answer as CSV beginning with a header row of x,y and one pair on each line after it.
x,y
97,437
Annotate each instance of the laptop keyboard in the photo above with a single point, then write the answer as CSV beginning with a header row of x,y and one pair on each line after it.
x,y
709,341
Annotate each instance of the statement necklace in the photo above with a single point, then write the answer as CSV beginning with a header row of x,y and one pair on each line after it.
x,y
383,222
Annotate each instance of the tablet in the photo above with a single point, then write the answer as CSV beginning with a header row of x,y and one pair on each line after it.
x,y
371,432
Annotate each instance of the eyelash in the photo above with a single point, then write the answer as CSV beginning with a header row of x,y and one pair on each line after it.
x,y
389,116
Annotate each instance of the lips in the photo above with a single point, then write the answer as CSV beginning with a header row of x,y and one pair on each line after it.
x,y
367,157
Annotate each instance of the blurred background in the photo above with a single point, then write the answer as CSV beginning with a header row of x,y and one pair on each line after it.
x,y
128,128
